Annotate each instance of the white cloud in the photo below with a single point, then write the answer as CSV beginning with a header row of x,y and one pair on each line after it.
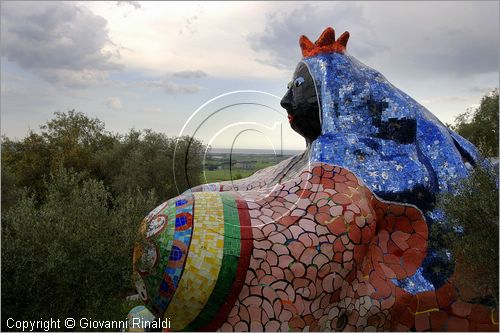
x,y
114,49
442,99
214,42
391,35
480,89
260,40
114,103
172,88
277,42
60,42
167,86
455,39
152,110
190,74
134,4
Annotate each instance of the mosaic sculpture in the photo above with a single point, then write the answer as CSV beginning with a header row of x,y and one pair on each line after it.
x,y
311,243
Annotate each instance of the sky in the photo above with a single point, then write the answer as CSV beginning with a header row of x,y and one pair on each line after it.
x,y
217,70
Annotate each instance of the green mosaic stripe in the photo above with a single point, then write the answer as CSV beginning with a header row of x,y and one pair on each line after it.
x,y
229,265
164,242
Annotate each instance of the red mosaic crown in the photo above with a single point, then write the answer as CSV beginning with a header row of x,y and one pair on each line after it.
x,y
326,43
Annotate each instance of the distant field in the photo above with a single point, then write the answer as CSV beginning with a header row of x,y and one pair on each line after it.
x,y
214,176
243,165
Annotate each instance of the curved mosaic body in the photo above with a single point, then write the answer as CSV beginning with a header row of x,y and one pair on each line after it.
x,y
317,252
305,245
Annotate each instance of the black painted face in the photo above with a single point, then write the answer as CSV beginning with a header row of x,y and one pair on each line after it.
x,y
301,103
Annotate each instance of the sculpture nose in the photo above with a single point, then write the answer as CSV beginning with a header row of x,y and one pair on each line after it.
x,y
286,101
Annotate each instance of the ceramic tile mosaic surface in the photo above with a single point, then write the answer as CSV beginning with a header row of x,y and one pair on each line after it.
x,y
324,241
396,146
318,252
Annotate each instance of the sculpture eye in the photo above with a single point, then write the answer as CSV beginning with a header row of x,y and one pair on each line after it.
x,y
298,81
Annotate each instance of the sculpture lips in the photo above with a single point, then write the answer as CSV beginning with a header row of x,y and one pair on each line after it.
x,y
290,119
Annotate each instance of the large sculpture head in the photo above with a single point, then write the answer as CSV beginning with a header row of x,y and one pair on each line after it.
x,y
353,117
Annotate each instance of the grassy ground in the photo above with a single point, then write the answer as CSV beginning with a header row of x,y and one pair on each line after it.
x,y
213,176
243,165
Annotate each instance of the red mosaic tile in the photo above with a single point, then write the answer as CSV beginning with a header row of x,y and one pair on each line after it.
x,y
483,327
327,182
289,220
403,224
394,249
412,259
461,309
337,226
406,318
480,314
354,233
416,241
421,228
445,295
397,210
426,300
341,199
438,320
309,267
456,324
422,322
400,238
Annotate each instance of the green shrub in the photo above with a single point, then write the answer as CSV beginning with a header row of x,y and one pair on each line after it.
x,y
145,160
471,234
480,126
142,160
68,236
71,255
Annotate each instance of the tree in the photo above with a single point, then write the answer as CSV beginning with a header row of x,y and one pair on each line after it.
x,y
24,163
480,126
145,160
70,256
70,140
470,229
471,233
72,200
142,160
74,139
10,192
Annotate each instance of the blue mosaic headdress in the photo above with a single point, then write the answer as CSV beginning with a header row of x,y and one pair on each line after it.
x,y
400,150
374,129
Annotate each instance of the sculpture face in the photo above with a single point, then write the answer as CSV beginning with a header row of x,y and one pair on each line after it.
x,y
301,103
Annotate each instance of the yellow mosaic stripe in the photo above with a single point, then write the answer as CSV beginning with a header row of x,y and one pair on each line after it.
x,y
203,262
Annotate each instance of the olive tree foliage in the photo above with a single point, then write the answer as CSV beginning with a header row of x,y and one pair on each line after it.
x,y
73,196
73,139
471,233
471,228
70,140
70,255
145,160
480,126
137,160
